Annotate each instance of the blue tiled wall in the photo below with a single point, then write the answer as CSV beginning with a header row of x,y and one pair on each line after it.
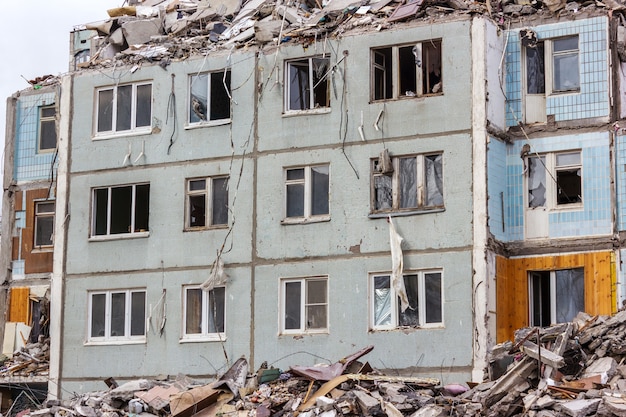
x,y
595,216
497,188
29,165
593,98
620,178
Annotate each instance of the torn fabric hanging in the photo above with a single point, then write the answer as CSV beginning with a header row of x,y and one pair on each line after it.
x,y
217,276
397,280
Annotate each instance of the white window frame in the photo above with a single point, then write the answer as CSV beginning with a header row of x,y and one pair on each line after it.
x,y
303,281
134,129
311,85
40,215
127,337
391,70
549,65
46,120
133,232
307,182
209,201
552,171
395,302
421,181
205,334
205,108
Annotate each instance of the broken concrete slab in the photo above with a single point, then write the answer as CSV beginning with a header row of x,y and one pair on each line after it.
x,y
137,32
579,408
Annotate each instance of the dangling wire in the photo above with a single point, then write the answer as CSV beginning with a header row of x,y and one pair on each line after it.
x,y
171,109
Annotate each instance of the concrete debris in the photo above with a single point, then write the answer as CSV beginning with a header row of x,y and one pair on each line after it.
x,y
30,360
181,29
562,370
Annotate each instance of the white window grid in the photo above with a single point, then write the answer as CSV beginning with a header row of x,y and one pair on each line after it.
x,y
303,305
208,193
207,109
307,182
114,104
43,209
311,84
128,311
108,233
47,115
204,334
552,168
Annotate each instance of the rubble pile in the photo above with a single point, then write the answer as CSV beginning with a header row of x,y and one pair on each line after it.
x,y
162,30
572,369
31,359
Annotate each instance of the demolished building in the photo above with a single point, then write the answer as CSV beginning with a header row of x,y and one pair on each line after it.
x,y
227,177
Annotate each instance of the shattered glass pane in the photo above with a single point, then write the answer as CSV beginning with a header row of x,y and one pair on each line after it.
x,y
432,285
144,105
410,317
220,201
434,181
198,98
431,67
382,300
319,191
570,294
138,313
98,302
124,107
321,92
292,305
299,98
316,317
408,182
197,210
105,110
118,314
383,192
220,102
193,313
535,70
217,297
536,182
569,186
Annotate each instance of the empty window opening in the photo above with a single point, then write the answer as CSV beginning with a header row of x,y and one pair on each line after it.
x,y
556,296
554,180
406,71
209,97
413,182
307,84
121,210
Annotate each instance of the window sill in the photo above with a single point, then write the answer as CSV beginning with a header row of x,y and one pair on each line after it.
x,y
136,235
299,333
115,342
434,326
305,220
568,207
205,228
564,93
123,134
384,215
221,337
208,123
321,110
43,249
384,100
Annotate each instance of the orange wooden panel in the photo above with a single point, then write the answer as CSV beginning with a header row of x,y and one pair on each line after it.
x,y
15,249
512,303
19,305
18,201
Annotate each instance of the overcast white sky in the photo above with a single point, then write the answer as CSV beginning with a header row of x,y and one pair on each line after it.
x,y
34,40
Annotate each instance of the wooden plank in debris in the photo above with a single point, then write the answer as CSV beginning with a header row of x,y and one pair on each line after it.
x,y
187,403
507,382
547,356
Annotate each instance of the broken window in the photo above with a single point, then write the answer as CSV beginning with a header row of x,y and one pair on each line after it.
x,y
47,128
554,180
307,85
565,64
424,293
552,66
409,183
44,223
307,192
556,296
124,108
209,97
207,202
120,210
304,305
117,315
406,70
204,312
